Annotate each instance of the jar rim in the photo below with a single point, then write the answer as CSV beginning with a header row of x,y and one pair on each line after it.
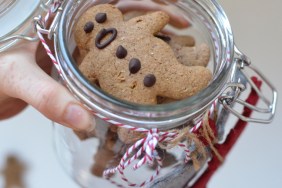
x,y
24,16
204,97
18,24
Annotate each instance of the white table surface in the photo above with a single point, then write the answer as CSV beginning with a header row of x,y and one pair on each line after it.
x,y
254,162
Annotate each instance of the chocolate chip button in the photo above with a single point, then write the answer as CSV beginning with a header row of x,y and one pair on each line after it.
x,y
134,65
121,52
88,27
149,80
101,17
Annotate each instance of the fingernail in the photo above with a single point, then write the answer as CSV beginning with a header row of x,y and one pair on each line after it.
x,y
77,117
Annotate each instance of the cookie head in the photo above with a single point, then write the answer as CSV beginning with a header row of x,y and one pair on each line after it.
x,y
91,23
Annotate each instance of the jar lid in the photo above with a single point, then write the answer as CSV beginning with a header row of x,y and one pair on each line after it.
x,y
14,14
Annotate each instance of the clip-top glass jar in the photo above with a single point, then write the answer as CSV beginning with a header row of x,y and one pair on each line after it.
x,y
87,155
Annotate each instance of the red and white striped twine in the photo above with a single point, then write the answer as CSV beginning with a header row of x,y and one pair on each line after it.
x,y
43,23
146,146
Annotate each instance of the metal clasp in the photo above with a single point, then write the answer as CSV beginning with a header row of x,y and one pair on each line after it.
x,y
40,23
241,80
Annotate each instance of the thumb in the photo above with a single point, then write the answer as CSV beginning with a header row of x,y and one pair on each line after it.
x,y
22,78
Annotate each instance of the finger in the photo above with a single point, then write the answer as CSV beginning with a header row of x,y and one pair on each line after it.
x,y
22,78
10,106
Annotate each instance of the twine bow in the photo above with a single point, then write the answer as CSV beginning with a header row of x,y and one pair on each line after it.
x,y
146,147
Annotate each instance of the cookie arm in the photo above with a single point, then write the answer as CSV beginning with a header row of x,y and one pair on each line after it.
x,y
177,20
88,69
151,23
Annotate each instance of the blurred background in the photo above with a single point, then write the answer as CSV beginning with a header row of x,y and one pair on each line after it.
x,y
26,140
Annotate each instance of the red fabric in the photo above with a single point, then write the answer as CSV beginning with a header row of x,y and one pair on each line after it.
x,y
233,136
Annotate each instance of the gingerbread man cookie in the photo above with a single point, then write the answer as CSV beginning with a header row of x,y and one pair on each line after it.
x,y
129,62
13,173
191,55
186,51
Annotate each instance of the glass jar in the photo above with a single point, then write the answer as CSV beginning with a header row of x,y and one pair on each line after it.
x,y
85,156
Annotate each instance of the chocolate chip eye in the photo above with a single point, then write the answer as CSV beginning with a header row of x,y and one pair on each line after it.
x,y
149,80
134,65
121,52
102,34
88,27
101,17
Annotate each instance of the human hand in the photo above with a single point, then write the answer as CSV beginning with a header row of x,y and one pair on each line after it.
x,y
23,82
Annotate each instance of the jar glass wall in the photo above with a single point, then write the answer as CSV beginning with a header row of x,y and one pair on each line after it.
x,y
86,155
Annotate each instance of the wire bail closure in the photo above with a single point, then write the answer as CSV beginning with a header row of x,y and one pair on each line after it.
x,y
13,38
40,24
241,80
